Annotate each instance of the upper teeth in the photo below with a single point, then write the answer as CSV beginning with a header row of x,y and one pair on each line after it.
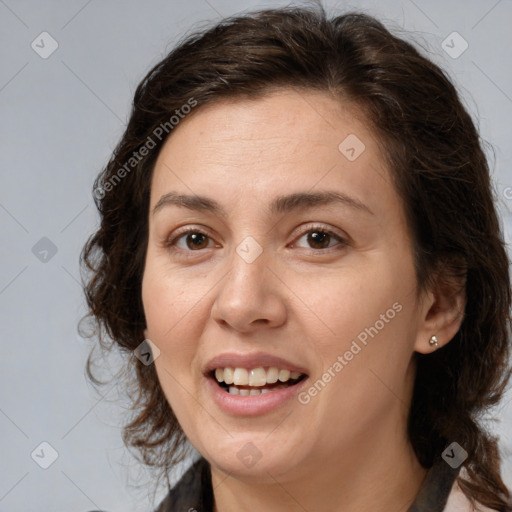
x,y
255,377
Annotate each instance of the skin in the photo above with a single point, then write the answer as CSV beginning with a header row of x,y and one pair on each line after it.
x,y
347,449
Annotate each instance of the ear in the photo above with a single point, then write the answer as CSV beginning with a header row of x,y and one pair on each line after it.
x,y
441,313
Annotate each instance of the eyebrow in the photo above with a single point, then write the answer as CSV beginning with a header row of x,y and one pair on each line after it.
x,y
279,205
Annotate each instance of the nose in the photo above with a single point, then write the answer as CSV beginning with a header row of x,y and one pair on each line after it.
x,y
251,296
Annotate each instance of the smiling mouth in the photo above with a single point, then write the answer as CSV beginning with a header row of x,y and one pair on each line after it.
x,y
255,381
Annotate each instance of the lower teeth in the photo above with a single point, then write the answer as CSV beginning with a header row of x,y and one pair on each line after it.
x,y
233,390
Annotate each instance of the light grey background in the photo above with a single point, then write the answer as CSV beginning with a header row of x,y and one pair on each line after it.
x,y
60,119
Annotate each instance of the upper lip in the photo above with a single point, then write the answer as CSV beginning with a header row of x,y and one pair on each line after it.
x,y
249,361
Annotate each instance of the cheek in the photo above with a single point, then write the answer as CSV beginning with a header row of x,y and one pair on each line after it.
x,y
366,316
351,300
168,300
170,320
172,324
365,356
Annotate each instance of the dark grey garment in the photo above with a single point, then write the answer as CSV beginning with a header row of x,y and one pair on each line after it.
x,y
194,491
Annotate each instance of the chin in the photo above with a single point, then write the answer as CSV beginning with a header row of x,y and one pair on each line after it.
x,y
252,458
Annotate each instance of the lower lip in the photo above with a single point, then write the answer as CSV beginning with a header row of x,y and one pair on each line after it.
x,y
252,405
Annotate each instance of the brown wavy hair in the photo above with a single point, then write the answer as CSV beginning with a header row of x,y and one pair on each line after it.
x,y
439,169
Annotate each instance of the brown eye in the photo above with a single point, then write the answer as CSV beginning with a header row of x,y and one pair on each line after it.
x,y
196,240
190,240
319,238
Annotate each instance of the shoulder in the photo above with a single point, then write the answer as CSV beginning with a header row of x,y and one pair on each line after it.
x,y
192,492
458,502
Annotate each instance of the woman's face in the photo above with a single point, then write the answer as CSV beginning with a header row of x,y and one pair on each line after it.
x,y
298,267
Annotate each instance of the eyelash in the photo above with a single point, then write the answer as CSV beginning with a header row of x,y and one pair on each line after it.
x,y
171,243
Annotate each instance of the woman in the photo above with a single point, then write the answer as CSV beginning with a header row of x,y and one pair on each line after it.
x,y
298,222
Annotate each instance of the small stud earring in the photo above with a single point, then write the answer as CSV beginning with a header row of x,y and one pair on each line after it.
x,y
433,341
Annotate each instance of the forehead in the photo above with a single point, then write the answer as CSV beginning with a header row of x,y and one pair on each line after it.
x,y
287,140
